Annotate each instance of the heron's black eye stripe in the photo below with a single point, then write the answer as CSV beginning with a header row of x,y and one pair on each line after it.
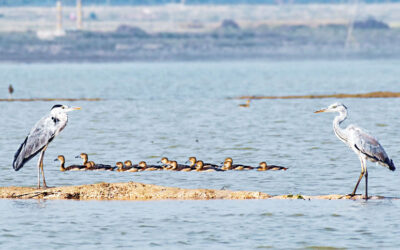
x,y
56,106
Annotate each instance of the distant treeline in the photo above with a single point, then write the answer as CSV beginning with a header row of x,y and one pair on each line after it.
x,y
189,2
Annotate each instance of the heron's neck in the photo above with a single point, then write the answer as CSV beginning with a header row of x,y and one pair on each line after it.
x,y
340,133
59,116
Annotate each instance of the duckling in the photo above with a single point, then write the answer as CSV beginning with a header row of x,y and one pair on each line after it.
x,y
98,167
129,167
200,167
228,165
84,157
264,167
228,159
179,167
61,158
245,105
120,167
144,167
128,164
165,163
192,160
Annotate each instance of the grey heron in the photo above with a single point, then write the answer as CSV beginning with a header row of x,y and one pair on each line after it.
x,y
37,141
362,143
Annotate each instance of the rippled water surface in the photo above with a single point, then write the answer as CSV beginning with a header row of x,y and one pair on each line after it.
x,y
181,109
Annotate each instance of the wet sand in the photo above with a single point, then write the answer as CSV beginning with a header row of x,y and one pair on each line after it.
x,y
145,192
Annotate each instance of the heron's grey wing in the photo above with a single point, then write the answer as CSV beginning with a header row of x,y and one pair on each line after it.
x,y
369,146
41,134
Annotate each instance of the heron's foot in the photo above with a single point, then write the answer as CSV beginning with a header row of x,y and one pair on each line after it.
x,y
352,194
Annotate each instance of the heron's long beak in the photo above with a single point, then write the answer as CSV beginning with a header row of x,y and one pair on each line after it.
x,y
76,108
320,111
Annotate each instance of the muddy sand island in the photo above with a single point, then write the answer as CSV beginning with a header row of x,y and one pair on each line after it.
x,y
134,191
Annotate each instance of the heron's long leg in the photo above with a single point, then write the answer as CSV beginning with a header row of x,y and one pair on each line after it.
x,y
38,185
41,165
366,183
359,179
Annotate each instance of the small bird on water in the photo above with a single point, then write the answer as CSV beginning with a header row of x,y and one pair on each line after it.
x,y
37,141
10,90
361,142
245,105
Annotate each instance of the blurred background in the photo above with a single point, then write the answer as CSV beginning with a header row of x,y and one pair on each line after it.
x,y
127,30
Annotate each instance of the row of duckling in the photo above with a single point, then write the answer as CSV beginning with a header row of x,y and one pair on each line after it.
x,y
166,164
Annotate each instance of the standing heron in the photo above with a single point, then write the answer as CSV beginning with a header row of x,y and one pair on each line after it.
x,y
40,136
363,144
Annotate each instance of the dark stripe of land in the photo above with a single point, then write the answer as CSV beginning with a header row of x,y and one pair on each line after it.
x,y
49,99
379,94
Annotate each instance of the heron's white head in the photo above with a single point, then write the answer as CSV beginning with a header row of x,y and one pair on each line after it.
x,y
62,109
336,107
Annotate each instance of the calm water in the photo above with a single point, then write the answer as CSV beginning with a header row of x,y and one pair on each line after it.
x,y
181,109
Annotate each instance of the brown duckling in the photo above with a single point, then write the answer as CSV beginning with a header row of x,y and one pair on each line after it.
x,y
120,167
144,167
98,167
129,167
128,164
228,165
206,164
179,167
84,157
61,158
245,105
192,160
264,167
200,167
166,164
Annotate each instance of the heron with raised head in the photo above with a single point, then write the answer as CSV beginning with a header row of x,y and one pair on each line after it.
x,y
361,142
37,141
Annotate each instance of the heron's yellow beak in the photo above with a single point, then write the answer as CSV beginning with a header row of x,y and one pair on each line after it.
x,y
76,108
320,111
